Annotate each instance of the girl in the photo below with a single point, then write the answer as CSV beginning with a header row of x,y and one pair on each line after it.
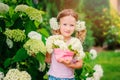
x,y
67,24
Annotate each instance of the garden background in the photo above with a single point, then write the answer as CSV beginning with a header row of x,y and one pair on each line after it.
x,y
102,18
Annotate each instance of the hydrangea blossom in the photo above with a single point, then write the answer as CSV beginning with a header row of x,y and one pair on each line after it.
x,y
76,47
34,35
54,24
42,67
60,44
50,41
80,25
98,71
21,8
15,34
9,43
93,53
3,8
33,13
1,75
34,46
24,76
15,74
97,74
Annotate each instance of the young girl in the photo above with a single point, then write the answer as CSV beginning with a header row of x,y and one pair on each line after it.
x,y
67,24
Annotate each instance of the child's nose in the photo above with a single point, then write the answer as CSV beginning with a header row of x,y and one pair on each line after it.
x,y
68,27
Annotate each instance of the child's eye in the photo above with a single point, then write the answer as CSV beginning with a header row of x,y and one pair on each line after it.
x,y
72,25
64,24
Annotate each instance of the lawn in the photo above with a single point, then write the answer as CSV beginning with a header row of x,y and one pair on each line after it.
x,y
110,62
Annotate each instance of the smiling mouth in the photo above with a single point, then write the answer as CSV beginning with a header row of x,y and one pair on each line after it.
x,y
67,31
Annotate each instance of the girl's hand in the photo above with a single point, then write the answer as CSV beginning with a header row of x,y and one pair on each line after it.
x,y
78,64
66,62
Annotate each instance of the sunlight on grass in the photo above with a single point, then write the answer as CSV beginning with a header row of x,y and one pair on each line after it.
x,y
109,61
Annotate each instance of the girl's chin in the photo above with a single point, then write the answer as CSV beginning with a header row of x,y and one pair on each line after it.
x,y
67,35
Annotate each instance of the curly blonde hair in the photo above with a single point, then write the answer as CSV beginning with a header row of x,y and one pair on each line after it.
x,y
67,12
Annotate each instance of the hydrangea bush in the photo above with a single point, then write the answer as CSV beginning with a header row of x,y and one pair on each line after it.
x,y
22,43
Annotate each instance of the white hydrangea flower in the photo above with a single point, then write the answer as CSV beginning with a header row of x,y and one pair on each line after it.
x,y
93,53
42,67
97,74
21,8
49,48
12,74
9,42
61,44
1,75
34,35
80,55
90,78
50,40
76,46
34,46
15,34
80,25
33,13
24,76
54,24
3,8
98,70
15,74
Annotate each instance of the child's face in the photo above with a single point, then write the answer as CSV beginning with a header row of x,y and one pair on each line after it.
x,y
67,25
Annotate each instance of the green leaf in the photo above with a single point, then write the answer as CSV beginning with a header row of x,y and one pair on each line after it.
x,y
43,39
0,29
15,16
30,2
11,12
44,32
1,70
36,24
20,55
2,24
29,26
40,57
7,62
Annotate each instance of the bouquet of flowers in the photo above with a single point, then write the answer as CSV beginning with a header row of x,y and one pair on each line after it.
x,y
62,50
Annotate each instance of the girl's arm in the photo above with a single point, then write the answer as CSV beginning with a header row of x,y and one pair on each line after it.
x,y
48,58
75,65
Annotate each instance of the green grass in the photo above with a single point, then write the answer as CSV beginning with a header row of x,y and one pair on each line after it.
x,y
110,62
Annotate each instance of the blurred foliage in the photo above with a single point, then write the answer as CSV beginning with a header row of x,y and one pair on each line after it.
x,y
94,12
115,17
112,35
89,40
100,17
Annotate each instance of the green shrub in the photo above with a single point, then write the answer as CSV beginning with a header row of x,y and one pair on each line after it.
x,y
95,14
